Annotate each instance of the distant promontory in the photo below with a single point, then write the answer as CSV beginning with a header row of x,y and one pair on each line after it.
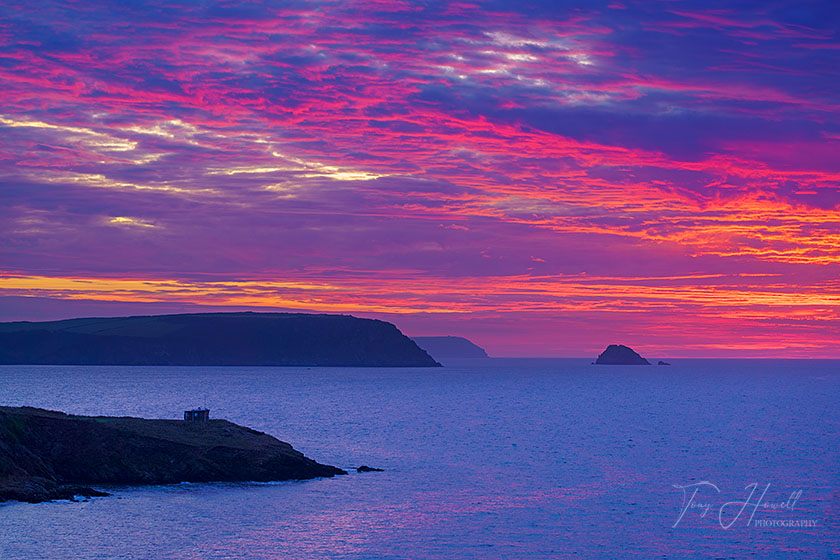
x,y
212,339
46,455
443,347
618,354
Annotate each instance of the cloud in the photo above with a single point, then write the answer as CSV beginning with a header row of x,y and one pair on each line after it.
x,y
427,160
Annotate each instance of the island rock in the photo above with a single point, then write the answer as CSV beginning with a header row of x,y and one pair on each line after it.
x,y
618,354
46,455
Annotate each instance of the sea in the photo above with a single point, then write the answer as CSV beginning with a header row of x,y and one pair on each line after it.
x,y
482,459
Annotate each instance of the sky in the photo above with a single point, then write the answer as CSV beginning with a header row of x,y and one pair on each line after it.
x,y
542,178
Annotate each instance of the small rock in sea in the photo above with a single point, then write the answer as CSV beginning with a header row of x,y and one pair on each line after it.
x,y
365,468
618,354
661,363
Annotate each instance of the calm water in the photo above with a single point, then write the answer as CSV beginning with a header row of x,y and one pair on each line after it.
x,y
494,459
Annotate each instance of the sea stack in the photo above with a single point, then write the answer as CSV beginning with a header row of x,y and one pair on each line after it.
x,y
618,354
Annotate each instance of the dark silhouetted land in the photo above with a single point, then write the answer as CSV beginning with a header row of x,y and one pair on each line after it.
x,y
618,354
212,339
47,455
443,347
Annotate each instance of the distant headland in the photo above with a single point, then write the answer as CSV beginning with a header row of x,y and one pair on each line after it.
x,y
47,455
212,339
443,347
618,354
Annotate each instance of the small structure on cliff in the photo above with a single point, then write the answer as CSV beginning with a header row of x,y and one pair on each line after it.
x,y
197,415
45,454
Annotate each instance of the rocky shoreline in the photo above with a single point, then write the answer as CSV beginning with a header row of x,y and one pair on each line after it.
x,y
48,455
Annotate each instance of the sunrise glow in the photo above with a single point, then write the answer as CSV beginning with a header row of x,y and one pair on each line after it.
x,y
665,176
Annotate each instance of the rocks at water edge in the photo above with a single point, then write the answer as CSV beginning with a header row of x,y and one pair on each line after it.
x,y
365,468
618,354
47,455
661,363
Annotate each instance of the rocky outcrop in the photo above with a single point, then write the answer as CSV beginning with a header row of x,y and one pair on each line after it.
x,y
48,455
618,354
212,339
365,468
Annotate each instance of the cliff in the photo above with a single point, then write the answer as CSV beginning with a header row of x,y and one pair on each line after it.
x,y
212,339
442,347
44,455
618,354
